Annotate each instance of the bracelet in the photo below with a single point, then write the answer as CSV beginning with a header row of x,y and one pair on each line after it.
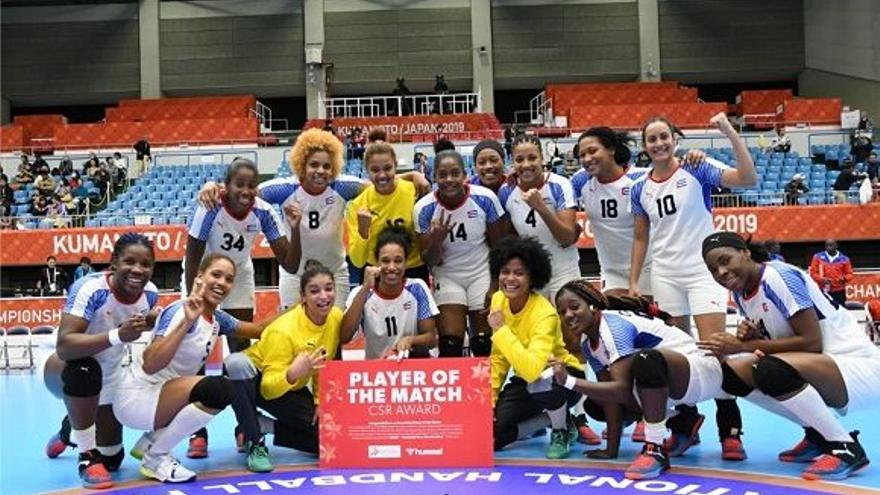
x,y
113,337
570,382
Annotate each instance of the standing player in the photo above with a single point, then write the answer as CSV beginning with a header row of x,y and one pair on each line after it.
x,y
456,226
395,313
541,205
672,205
231,229
160,393
489,165
814,355
103,311
664,364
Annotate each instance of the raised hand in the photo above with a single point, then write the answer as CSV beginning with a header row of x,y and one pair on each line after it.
x,y
210,194
533,198
365,219
195,303
747,330
371,277
294,214
133,327
441,226
306,362
496,319
721,122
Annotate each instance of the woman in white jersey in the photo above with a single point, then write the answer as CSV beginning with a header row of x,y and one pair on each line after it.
x,y
103,311
633,352
541,205
672,205
160,392
489,165
456,226
807,354
321,194
395,313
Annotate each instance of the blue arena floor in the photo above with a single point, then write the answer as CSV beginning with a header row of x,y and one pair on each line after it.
x,y
30,415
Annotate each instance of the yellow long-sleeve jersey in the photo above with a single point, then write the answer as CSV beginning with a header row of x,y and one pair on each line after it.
x,y
387,209
526,341
291,333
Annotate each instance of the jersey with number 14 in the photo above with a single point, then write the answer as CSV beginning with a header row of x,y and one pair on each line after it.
x,y
224,233
558,195
323,217
465,250
609,209
680,212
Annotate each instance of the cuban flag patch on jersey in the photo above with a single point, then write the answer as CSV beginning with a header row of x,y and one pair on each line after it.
x,y
330,200
472,214
681,183
624,191
253,228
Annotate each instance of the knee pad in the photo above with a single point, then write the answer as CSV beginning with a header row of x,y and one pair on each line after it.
x,y
650,370
214,392
451,346
732,383
82,377
775,377
481,344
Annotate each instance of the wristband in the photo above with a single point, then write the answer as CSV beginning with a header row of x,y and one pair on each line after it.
x,y
113,337
570,382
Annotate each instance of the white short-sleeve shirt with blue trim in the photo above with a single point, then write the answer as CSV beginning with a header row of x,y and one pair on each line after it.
x,y
195,347
622,334
323,220
92,299
680,212
558,195
386,320
609,210
223,233
784,291
465,248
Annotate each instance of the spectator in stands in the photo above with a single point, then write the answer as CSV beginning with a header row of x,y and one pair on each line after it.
x,y
40,162
773,250
359,143
643,160
377,134
84,268
832,269
848,176
328,126
865,123
65,167
26,163
41,206
571,165
57,212
421,165
440,86
872,168
53,280
552,151
6,194
860,147
143,156
91,165
402,90
65,196
44,183
781,143
509,133
795,189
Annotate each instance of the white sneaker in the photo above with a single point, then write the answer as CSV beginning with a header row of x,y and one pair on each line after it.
x,y
142,446
166,469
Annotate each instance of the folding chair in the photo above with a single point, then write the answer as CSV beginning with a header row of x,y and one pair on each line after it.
x,y
18,338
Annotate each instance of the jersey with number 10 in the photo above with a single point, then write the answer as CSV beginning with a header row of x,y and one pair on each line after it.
x,y
323,217
558,195
224,233
680,212
465,250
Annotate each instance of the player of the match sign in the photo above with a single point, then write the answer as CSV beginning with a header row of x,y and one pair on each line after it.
x,y
412,413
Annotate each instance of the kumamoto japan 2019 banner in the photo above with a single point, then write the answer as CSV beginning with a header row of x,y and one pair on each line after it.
x,y
412,413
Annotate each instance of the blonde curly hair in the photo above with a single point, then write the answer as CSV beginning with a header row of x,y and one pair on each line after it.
x,y
311,141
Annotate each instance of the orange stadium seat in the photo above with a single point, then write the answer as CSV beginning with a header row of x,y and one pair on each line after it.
x,y
815,111
631,116
12,138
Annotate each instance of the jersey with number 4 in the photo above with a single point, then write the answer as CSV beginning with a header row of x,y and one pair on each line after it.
x,y
224,233
786,290
609,210
465,249
323,217
558,195
387,319
680,212
195,347
622,334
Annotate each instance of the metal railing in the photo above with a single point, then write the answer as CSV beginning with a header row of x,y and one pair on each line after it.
x,y
749,198
395,106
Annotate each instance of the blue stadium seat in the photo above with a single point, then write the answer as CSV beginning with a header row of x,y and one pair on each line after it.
x,y
817,184
770,186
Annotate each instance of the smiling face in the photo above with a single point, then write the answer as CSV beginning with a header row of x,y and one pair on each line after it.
x,y
489,167
318,172
217,279
241,191
659,141
319,295
576,314
528,164
450,178
392,266
381,169
132,270
596,159
733,268
514,280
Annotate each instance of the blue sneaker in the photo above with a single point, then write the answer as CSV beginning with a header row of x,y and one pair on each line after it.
x,y
649,464
809,448
678,443
842,460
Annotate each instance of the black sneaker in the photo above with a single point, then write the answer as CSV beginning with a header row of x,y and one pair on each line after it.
x,y
59,441
841,460
112,462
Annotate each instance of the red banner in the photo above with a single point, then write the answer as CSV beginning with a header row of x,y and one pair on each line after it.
x,y
412,413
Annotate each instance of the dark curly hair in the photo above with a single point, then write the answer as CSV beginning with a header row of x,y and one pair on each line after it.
x,y
528,250
130,239
617,142
585,290
394,234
